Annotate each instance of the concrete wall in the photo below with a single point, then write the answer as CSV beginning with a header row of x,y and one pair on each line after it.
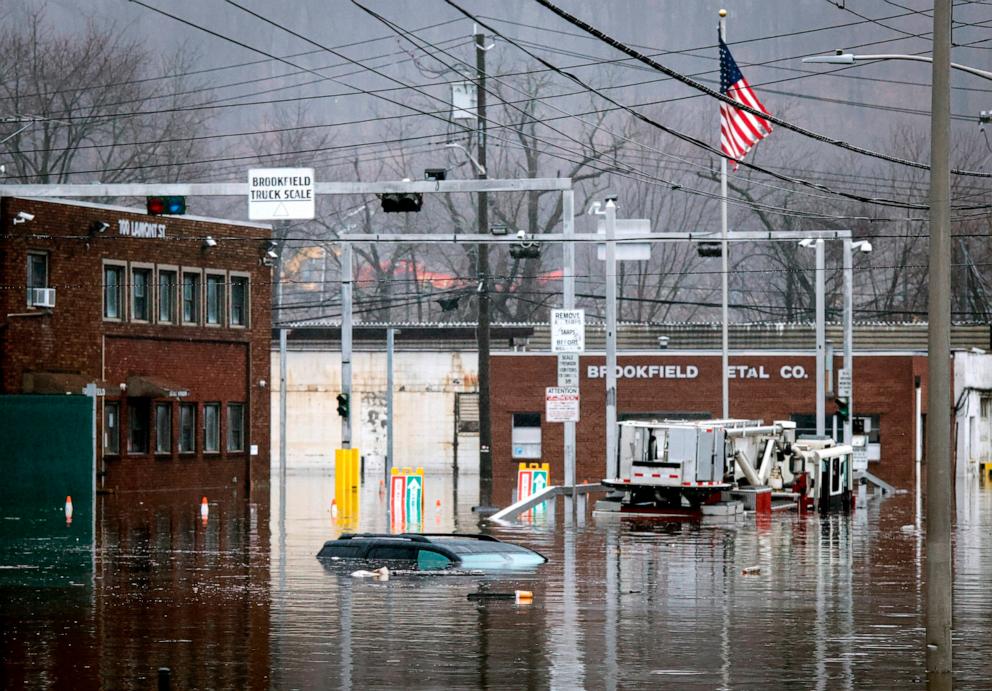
x,y
972,429
425,384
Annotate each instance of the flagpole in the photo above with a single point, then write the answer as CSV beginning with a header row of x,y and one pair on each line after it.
x,y
725,359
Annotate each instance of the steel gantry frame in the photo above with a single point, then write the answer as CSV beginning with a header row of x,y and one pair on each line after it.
x,y
568,237
480,186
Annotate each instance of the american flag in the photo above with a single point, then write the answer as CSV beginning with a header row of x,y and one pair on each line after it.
x,y
739,130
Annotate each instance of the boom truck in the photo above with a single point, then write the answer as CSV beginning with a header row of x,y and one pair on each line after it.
x,y
691,463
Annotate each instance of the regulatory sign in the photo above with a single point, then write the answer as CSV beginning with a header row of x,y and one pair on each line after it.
x,y
561,404
531,479
280,194
844,383
568,331
568,369
406,496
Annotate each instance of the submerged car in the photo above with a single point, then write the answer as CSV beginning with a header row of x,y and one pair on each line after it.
x,y
431,551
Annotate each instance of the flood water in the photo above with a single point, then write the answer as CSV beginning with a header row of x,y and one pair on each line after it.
x,y
241,602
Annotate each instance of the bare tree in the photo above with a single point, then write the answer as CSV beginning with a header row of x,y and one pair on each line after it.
x,y
94,105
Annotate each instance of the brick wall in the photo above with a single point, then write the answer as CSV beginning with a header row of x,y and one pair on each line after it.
x,y
224,364
884,386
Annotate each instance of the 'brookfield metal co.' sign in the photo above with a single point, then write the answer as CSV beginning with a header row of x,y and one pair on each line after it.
x,y
692,372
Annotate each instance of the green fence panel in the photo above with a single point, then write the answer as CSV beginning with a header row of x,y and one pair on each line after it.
x,y
47,454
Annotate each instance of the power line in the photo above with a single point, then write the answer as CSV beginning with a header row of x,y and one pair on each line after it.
x,y
725,99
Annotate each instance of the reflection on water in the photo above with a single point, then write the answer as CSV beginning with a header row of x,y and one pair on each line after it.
x,y
242,602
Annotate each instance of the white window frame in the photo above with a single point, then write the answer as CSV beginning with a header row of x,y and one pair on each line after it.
x,y
220,427
222,301
28,273
231,275
176,294
184,271
150,298
122,295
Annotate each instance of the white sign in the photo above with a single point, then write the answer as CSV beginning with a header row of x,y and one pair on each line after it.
x,y
561,404
844,383
627,251
568,369
568,331
140,229
280,194
859,442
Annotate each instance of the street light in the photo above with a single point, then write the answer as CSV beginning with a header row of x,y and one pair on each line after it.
x,y
479,168
821,334
840,58
939,575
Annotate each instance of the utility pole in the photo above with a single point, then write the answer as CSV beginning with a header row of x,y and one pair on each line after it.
x,y
611,334
821,341
482,269
346,292
938,498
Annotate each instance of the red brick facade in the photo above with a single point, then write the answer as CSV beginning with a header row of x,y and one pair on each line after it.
x,y
672,383
167,362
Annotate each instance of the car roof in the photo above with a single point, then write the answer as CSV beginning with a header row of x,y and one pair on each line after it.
x,y
418,537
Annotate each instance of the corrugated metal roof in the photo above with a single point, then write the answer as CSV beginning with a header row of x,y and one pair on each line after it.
x,y
868,336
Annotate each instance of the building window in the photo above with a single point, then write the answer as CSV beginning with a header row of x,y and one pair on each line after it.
x,y
187,428
113,292
211,427
239,300
235,427
141,288
163,428
215,299
166,297
526,437
111,427
191,298
137,426
37,273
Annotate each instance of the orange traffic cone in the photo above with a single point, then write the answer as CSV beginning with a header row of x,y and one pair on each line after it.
x,y
68,510
334,509
204,510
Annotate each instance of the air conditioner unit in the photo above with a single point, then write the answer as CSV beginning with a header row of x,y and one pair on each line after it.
x,y
43,297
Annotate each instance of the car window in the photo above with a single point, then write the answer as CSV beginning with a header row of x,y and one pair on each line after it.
x,y
428,560
342,550
392,552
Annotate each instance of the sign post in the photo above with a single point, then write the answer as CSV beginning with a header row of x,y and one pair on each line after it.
x,y
281,194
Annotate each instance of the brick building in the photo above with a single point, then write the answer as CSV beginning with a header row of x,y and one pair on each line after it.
x,y
676,384
168,315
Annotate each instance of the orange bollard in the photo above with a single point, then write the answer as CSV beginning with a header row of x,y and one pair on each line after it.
x,y
204,510
68,510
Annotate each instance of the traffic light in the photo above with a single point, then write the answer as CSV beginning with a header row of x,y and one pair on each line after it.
x,y
709,249
172,205
401,202
525,250
843,408
343,405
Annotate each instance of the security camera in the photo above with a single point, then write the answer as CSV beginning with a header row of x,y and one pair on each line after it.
x,y
99,227
864,246
807,242
521,235
23,217
209,242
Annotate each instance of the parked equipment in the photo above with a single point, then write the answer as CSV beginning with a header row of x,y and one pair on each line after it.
x,y
690,463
